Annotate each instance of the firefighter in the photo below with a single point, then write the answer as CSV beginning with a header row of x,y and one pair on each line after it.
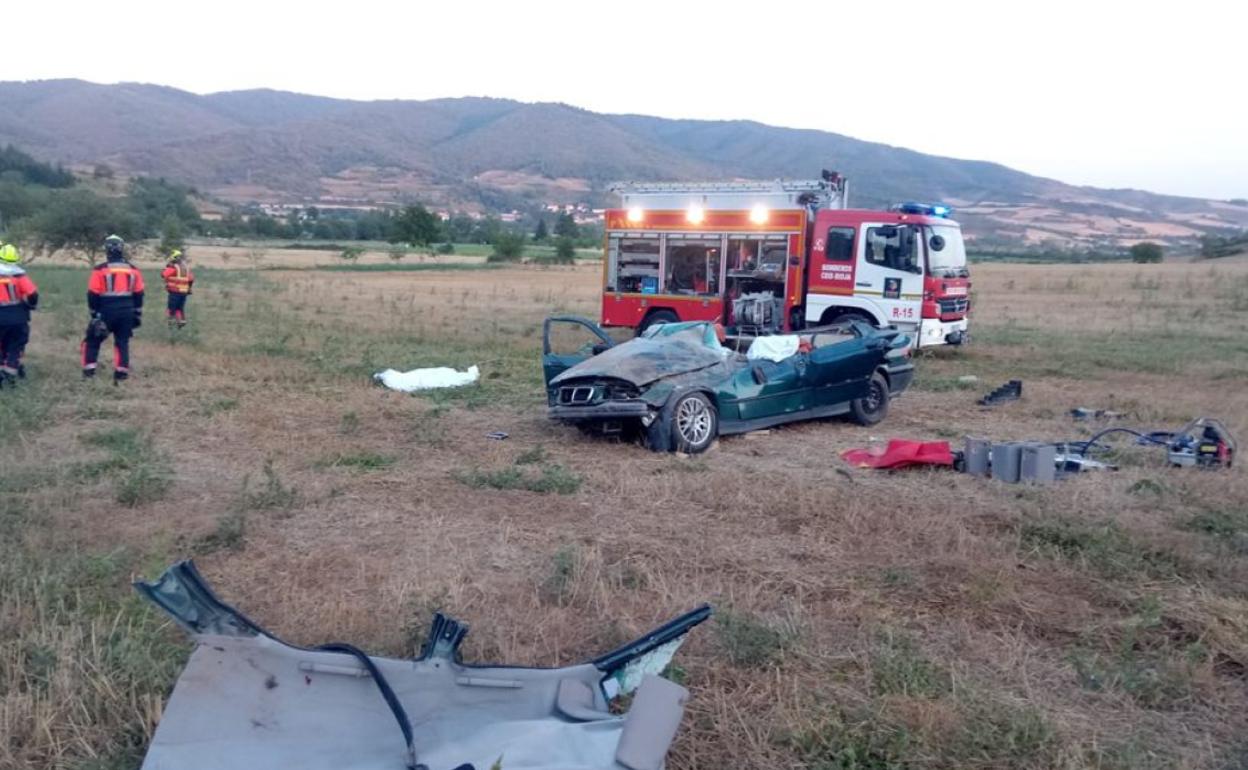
x,y
115,299
178,283
18,296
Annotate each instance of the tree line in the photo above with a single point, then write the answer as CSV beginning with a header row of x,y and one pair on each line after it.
x,y
45,209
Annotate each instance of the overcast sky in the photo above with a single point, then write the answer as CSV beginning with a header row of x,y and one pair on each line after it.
x,y
1113,94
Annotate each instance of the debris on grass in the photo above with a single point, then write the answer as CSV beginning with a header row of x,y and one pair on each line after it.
x,y
1010,391
427,379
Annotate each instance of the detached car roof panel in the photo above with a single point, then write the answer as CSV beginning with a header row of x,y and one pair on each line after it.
x,y
247,699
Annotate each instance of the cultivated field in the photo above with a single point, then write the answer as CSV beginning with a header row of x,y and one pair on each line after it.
x,y
918,619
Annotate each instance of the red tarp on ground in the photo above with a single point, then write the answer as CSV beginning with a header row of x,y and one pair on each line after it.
x,y
900,453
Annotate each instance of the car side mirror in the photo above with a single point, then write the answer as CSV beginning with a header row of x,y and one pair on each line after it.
x,y
601,347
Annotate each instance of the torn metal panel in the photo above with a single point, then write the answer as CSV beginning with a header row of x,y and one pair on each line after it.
x,y
647,359
248,699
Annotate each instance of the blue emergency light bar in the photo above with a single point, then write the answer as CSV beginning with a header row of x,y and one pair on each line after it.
x,y
924,209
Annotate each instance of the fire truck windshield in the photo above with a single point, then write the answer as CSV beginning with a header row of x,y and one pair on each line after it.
x,y
945,251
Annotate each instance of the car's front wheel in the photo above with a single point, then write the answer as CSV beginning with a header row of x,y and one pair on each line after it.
x,y
873,406
694,423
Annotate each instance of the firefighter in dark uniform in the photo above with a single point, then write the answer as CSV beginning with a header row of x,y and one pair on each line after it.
x,y
178,283
18,296
115,299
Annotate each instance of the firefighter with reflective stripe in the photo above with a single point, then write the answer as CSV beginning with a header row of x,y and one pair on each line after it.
x,y
115,298
178,283
18,296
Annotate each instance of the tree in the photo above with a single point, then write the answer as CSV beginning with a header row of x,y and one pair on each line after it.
x,y
78,220
1146,252
565,251
153,201
540,234
508,247
565,226
171,236
32,171
265,226
415,225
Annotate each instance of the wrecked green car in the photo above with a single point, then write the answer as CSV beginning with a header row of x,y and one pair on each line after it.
x,y
677,386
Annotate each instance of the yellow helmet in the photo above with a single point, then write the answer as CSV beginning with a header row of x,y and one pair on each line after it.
x,y
174,256
8,253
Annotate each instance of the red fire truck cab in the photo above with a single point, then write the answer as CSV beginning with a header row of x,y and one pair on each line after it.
x,y
769,257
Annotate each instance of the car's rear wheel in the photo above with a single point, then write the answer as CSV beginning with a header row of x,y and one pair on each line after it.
x,y
694,423
873,406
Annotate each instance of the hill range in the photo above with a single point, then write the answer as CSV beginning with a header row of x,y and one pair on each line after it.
x,y
493,154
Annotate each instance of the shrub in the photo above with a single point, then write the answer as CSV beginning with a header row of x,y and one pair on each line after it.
x,y
1146,252
565,252
508,247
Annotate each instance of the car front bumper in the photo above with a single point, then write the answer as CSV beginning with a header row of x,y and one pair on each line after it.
x,y
607,410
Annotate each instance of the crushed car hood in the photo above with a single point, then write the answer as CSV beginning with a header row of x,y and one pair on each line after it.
x,y
246,699
642,361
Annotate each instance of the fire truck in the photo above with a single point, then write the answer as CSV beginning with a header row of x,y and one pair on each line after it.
x,y
778,256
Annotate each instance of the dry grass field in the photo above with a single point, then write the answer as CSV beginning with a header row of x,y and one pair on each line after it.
x,y
864,620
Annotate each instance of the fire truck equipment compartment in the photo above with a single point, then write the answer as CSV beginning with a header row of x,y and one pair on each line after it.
x,y
248,699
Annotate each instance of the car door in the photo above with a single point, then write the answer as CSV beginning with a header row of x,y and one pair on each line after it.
x,y
840,368
772,388
569,340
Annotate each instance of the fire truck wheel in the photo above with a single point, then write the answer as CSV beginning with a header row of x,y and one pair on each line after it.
x,y
694,423
872,407
657,317
845,318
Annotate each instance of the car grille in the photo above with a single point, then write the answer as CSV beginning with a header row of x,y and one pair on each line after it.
x,y
955,305
577,395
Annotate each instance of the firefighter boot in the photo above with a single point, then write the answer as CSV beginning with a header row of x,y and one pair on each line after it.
x,y
120,376
7,378
88,373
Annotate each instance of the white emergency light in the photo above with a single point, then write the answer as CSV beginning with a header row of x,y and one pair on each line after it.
x,y
635,214
695,214
759,214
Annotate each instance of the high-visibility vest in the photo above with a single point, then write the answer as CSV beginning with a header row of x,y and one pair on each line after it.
x,y
10,294
179,280
118,282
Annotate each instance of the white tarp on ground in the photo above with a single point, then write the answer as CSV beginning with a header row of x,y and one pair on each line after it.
x,y
774,348
427,379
